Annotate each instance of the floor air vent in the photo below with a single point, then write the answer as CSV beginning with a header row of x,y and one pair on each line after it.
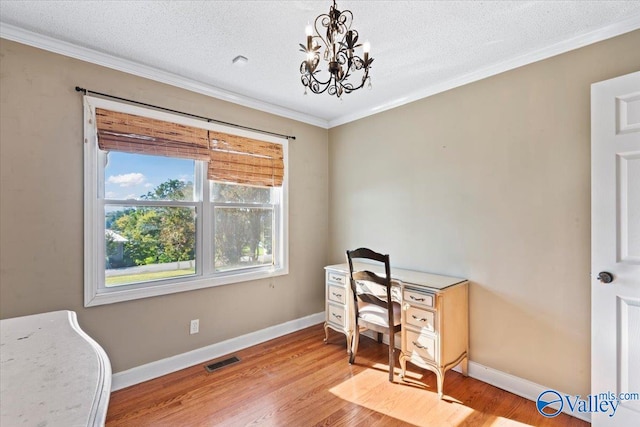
x,y
221,364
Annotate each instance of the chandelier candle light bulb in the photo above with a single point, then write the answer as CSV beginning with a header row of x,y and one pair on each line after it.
x,y
309,32
345,71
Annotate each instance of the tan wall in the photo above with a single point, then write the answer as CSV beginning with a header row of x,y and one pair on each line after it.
x,y
489,181
41,214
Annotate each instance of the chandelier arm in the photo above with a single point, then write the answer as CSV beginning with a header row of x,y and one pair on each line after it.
x,y
324,21
314,84
313,77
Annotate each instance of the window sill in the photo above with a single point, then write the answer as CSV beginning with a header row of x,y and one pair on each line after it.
x,y
94,297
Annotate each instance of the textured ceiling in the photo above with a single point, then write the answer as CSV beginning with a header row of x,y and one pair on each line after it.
x,y
420,47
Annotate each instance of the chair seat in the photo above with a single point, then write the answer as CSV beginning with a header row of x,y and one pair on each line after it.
x,y
377,290
375,314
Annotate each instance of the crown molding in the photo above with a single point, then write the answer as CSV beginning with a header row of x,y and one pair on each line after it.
x,y
630,24
11,32
20,35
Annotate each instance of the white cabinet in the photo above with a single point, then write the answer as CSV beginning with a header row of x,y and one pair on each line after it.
x,y
52,372
338,304
435,329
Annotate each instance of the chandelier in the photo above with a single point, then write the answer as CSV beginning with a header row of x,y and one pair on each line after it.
x,y
346,70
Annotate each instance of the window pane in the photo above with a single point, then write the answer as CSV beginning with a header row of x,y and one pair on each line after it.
x,y
234,193
148,243
141,177
243,237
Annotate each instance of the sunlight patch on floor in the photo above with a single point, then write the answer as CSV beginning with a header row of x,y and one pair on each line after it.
x,y
408,402
411,401
501,421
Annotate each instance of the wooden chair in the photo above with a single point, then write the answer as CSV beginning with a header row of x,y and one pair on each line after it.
x,y
374,307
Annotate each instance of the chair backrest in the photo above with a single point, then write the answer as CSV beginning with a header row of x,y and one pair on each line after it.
x,y
368,286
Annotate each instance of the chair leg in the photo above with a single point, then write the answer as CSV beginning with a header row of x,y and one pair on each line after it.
x,y
355,340
392,361
380,337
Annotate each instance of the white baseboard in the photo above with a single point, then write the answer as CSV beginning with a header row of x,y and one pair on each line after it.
x,y
171,364
516,385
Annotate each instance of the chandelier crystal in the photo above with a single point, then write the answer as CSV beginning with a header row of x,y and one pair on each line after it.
x,y
345,71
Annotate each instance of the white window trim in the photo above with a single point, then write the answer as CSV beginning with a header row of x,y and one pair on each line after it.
x,y
94,294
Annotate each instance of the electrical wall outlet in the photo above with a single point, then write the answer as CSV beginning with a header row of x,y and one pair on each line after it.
x,y
194,328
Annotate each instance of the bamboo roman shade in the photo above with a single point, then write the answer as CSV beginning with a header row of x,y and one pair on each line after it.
x,y
232,158
245,160
142,135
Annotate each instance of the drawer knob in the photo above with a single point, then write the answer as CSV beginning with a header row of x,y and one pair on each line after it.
x,y
419,319
337,316
337,295
416,299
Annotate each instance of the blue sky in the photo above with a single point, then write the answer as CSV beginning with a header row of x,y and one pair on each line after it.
x,y
128,176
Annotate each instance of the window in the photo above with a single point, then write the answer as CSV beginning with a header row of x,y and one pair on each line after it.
x,y
174,204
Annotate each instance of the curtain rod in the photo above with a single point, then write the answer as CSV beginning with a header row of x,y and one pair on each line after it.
x,y
266,132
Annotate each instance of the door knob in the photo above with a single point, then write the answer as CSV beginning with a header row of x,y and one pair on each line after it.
x,y
605,277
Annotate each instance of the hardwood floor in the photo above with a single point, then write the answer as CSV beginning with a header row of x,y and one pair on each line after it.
x,y
297,380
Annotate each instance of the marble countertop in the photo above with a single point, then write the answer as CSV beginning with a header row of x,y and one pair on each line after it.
x,y
52,373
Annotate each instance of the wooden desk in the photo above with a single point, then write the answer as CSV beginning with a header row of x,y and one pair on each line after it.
x,y
52,372
435,316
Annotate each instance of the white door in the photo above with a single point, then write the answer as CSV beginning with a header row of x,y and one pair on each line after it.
x,y
615,246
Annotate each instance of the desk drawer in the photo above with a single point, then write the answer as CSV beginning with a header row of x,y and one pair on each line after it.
x,y
423,319
416,297
336,315
337,294
337,278
421,347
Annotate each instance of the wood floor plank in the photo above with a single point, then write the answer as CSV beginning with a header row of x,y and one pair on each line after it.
x,y
297,380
